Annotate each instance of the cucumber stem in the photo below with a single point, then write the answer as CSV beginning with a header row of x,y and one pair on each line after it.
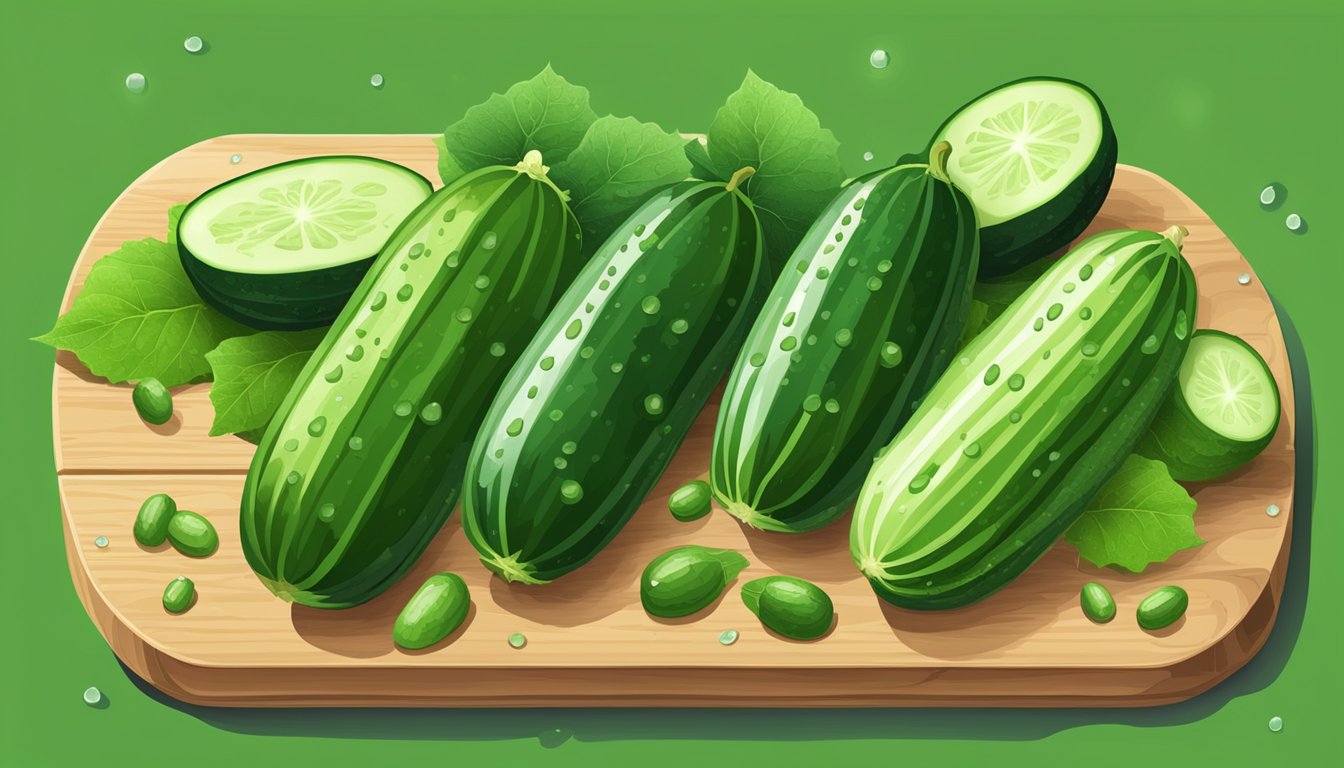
x,y
1176,234
742,175
532,166
938,161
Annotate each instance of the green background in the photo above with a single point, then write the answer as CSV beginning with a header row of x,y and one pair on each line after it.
x,y
1220,98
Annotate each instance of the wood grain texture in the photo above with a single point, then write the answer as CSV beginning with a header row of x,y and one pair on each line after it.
x,y
589,642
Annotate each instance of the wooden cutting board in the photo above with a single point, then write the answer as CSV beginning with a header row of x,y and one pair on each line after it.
x,y
588,641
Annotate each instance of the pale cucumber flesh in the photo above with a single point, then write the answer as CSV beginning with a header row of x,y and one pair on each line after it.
x,y
1019,147
1228,388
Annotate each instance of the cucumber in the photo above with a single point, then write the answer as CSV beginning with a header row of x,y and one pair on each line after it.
x,y
434,612
152,401
363,462
789,606
1222,412
1036,156
866,316
684,580
284,247
1097,602
1022,430
1162,608
599,401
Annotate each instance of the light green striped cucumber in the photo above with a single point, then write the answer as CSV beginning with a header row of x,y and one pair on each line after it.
x,y
1015,438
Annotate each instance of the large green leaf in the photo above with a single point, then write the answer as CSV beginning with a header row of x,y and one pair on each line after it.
x,y
1139,517
254,373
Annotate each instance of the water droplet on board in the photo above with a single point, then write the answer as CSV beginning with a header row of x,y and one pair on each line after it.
x,y
879,59
376,80
101,542
1272,510
235,158
135,83
517,640
728,637
194,44
1244,279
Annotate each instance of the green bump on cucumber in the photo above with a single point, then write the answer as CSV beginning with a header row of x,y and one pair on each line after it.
x,y
1222,412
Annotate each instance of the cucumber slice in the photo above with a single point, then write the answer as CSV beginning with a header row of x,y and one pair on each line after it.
x,y
1222,412
1036,157
285,246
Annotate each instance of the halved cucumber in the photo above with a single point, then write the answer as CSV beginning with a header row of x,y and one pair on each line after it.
x,y
1036,156
285,246
1222,412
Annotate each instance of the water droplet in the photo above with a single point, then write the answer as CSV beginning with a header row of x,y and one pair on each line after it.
x,y
1182,328
560,462
812,403
354,353
874,283
574,328
379,301
653,404
1085,272
1069,287
617,367
879,59
547,363
101,542
1295,223
482,282
757,359
1016,382
1054,456
404,292
787,343
356,443
1038,325
317,426
728,637
334,375
415,251
515,428
1275,723
570,491
235,158
1149,345
463,315
971,451
556,414
1243,279
891,355
293,478
488,241
823,273
920,482
868,157
376,80
1269,197
193,44
497,349
531,392
517,640
680,326
1054,311
431,414
403,408
884,266
291,445
650,305
992,374
844,337
1272,510
135,82
92,696
604,285
1014,417
787,322
454,258
326,512
1085,313
832,405
1035,473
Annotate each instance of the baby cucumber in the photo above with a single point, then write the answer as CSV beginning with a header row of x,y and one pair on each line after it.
x,y
434,612
792,607
681,581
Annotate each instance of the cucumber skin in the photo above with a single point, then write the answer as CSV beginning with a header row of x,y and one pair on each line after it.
x,y
278,302
707,268
407,475
1010,245
807,476
1192,451
981,522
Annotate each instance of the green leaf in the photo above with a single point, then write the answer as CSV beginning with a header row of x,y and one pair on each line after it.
x,y
174,216
618,165
546,113
138,316
254,373
1000,292
797,169
732,562
1139,517
751,593
701,166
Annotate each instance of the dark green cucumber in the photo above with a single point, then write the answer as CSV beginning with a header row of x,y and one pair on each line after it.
x,y
789,606
285,246
598,403
363,462
1041,408
1037,157
864,319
